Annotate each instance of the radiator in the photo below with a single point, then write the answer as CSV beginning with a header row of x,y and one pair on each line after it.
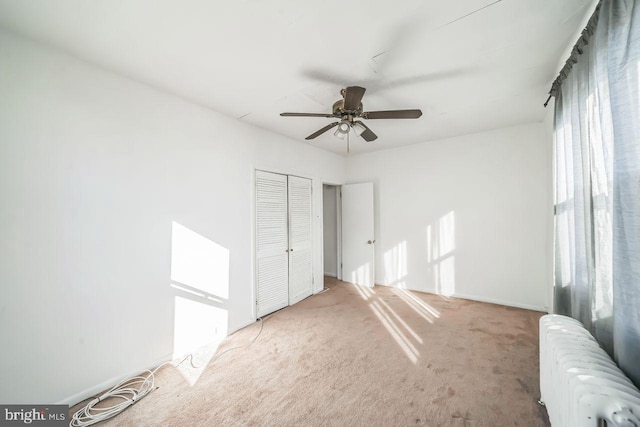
x,y
579,383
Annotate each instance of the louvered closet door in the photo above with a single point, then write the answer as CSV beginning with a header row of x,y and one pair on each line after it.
x,y
300,220
272,257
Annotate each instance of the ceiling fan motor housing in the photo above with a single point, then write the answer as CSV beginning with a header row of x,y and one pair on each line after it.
x,y
339,111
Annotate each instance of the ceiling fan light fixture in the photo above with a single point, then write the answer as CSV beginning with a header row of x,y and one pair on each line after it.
x,y
342,129
359,128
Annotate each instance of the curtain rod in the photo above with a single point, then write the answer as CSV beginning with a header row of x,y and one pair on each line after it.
x,y
577,50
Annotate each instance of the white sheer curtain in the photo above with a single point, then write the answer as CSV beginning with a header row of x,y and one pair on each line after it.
x,y
597,161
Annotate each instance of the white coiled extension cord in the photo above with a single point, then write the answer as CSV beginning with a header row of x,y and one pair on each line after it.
x,y
131,390
126,392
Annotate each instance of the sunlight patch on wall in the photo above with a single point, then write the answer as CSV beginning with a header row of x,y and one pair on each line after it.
x,y
431,244
447,279
395,263
441,245
196,324
198,329
200,281
447,233
362,274
199,262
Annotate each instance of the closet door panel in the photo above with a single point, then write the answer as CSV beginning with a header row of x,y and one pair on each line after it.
x,y
300,234
272,243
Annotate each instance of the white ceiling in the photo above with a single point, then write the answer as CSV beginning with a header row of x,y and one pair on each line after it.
x,y
470,65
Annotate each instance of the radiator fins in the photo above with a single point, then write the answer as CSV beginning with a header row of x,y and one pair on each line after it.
x,y
579,383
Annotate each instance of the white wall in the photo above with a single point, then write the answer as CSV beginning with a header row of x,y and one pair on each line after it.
x,y
330,230
110,191
466,216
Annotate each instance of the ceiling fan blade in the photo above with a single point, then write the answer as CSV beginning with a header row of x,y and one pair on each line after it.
x,y
352,97
306,115
367,134
392,114
323,130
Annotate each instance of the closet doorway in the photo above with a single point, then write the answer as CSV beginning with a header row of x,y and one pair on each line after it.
x,y
284,263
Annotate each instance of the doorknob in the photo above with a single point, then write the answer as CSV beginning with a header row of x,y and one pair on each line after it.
x,y
286,250
371,242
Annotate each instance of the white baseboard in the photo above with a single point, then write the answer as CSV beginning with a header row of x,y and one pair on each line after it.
x,y
331,274
92,391
242,325
481,299
501,302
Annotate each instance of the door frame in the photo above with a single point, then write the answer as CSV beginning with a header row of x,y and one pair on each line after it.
x,y
338,188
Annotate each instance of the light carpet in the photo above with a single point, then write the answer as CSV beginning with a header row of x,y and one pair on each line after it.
x,y
354,356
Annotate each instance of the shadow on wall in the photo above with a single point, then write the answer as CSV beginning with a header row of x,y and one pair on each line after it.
x,y
200,281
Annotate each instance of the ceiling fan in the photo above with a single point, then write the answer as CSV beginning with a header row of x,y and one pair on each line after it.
x,y
348,109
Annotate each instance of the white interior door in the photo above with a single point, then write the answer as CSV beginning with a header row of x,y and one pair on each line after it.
x,y
272,243
300,233
357,234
